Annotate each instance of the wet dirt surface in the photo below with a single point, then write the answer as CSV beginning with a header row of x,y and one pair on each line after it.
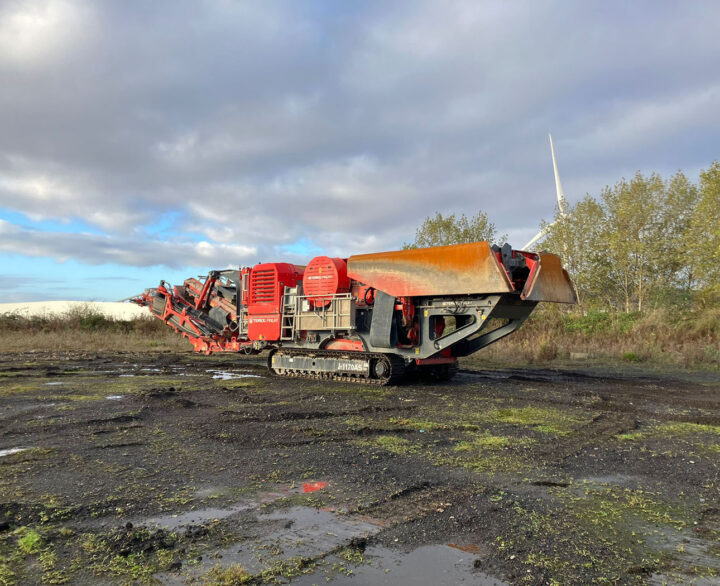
x,y
180,469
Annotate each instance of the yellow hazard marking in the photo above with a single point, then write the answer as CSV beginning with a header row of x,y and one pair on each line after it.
x,y
417,350
483,317
426,312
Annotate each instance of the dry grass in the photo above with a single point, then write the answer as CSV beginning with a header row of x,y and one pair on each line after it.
x,y
83,329
663,336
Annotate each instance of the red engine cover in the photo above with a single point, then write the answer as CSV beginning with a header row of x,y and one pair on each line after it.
x,y
267,283
323,278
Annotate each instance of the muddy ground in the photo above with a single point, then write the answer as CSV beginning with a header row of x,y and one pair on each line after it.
x,y
189,469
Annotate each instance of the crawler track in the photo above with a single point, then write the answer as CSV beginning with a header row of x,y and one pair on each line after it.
x,y
394,367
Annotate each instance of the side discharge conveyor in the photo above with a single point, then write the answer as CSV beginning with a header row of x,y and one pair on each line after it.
x,y
369,318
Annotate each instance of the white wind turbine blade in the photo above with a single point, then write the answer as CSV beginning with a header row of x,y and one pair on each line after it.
x,y
562,204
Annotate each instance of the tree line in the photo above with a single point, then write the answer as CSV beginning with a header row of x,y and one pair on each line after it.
x,y
644,242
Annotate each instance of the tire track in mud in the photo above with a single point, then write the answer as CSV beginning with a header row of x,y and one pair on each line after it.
x,y
282,416
647,405
574,376
645,396
338,437
53,427
602,427
238,427
414,502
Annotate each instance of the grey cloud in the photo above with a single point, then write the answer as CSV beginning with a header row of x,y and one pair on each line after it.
x,y
96,249
264,123
14,282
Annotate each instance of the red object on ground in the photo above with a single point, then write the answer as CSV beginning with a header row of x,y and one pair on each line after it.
x,y
313,486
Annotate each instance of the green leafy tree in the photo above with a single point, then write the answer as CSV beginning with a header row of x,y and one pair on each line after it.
x,y
703,235
576,237
676,269
643,241
439,230
631,235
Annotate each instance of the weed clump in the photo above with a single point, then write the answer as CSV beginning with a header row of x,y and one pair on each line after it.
x,y
7,576
30,542
394,444
228,576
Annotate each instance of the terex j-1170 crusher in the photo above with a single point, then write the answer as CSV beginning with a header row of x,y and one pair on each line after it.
x,y
369,318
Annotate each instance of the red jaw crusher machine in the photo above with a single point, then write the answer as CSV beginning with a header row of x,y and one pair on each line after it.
x,y
368,318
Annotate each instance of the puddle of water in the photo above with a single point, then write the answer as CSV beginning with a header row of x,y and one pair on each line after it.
x,y
227,375
151,369
15,409
180,371
54,383
115,397
621,479
198,516
295,532
439,565
689,551
126,375
211,491
680,580
311,533
10,451
193,517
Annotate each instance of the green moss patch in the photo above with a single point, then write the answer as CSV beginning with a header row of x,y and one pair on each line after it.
x,y
543,419
394,444
677,429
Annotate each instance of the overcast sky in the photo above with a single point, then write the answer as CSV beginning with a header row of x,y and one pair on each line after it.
x,y
145,140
